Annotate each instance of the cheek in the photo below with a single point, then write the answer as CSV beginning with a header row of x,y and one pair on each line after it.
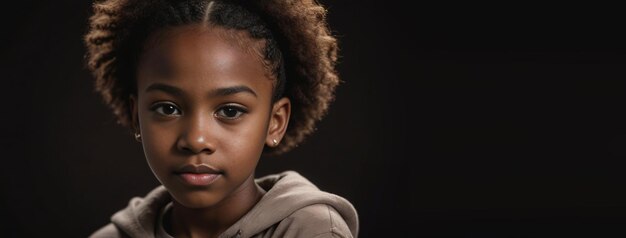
x,y
157,144
250,136
246,144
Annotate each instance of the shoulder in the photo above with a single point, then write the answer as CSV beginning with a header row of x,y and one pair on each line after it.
x,y
108,231
317,220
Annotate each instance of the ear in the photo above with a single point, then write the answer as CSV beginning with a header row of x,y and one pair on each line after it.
x,y
279,120
134,116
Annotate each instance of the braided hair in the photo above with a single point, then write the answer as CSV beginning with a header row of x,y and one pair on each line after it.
x,y
299,50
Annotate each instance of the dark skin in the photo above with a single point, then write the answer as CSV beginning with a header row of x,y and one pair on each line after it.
x,y
204,97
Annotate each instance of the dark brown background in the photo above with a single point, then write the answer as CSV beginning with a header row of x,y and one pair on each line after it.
x,y
462,121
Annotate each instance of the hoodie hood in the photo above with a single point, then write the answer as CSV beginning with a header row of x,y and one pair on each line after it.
x,y
287,192
138,219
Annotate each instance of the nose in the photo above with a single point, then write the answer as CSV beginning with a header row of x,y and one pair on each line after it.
x,y
196,136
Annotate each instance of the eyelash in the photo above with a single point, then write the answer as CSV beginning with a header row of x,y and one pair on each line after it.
x,y
157,106
240,111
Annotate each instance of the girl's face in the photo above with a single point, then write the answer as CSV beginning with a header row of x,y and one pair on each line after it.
x,y
204,112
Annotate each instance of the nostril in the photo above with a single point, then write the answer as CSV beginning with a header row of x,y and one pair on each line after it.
x,y
195,148
187,150
195,141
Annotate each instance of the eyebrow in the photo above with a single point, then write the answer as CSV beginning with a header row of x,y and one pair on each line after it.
x,y
213,93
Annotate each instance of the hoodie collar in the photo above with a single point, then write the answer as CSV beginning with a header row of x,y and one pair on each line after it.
x,y
287,192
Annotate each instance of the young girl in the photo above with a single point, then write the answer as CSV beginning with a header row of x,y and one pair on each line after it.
x,y
207,87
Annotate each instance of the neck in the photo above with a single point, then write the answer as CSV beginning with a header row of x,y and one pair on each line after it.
x,y
212,221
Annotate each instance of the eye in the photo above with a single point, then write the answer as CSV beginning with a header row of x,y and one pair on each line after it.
x,y
230,112
166,109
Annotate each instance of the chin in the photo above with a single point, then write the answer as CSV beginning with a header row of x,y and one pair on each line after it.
x,y
197,199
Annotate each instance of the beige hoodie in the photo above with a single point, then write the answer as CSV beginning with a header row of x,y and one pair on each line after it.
x,y
292,207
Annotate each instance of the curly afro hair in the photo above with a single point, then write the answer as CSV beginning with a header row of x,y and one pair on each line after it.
x,y
299,50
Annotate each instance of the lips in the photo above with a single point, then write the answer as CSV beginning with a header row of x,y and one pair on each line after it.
x,y
198,175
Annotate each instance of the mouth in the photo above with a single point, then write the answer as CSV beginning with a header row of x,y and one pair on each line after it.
x,y
198,175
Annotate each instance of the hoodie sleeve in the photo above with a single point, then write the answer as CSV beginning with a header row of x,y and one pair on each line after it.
x,y
318,220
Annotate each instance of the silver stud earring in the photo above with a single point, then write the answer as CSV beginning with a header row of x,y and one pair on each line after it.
x,y
138,136
275,142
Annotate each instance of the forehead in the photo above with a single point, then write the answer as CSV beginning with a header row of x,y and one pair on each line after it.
x,y
199,56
